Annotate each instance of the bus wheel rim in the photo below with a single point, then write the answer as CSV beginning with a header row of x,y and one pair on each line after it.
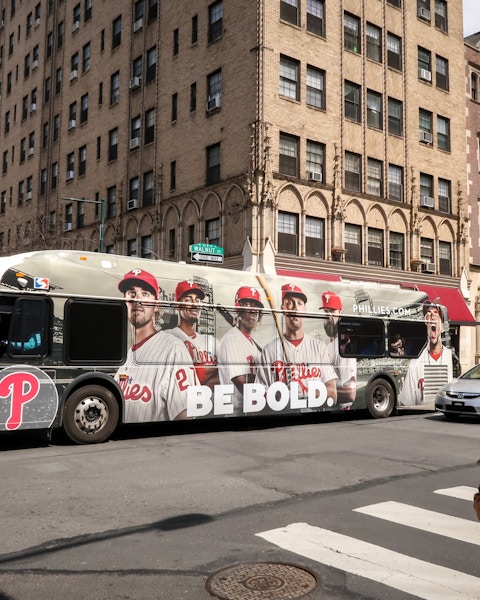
x,y
91,415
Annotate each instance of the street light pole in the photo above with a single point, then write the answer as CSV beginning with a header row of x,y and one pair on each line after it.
x,y
101,202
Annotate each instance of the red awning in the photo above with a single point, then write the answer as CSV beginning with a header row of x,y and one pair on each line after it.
x,y
458,311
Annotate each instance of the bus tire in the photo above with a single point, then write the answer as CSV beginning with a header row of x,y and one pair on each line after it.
x,y
90,415
380,398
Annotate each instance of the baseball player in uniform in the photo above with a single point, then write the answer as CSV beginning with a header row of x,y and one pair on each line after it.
x,y
238,354
158,368
297,357
345,368
434,353
201,346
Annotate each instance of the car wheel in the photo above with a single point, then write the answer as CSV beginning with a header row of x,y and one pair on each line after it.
x,y
380,398
90,415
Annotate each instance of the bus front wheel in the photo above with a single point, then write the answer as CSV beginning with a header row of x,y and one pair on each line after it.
x,y
380,398
91,414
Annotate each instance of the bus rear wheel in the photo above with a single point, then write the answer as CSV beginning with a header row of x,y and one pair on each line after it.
x,y
91,415
380,398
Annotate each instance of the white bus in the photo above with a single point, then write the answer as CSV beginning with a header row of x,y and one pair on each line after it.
x,y
89,341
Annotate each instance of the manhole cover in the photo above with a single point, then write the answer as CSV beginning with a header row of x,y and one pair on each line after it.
x,y
261,581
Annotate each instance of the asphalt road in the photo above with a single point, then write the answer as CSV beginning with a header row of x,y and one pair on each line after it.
x,y
156,511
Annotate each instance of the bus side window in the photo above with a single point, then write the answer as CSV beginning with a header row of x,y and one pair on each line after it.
x,y
361,337
30,327
406,339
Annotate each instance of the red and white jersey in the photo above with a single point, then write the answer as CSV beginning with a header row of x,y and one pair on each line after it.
x,y
306,361
345,368
155,378
237,355
202,350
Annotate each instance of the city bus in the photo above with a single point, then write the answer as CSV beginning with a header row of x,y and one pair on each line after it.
x,y
89,341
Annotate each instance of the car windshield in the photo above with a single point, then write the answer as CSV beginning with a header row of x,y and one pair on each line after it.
x,y
472,374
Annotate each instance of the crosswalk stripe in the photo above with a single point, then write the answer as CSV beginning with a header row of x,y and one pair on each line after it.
x,y
426,520
417,577
462,492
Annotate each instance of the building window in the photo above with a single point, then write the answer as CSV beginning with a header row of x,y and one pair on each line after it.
x,y
148,198
151,64
134,129
396,250
115,88
86,58
423,10
213,164
21,186
212,231
26,66
375,247
49,44
443,133
152,10
87,14
353,243
23,150
111,202
394,51
82,160
174,107
133,193
137,67
395,116
424,64
84,108
54,177
47,89
70,165
444,195
426,190
426,250
315,237
425,125
72,115
80,214
315,161
149,125
289,78
287,233
473,87
58,81
288,154
289,11
316,17
351,32
441,15
315,87
193,97
56,127
132,247
173,174
374,110
373,36
215,21
352,93
176,41
445,258
171,243
441,73
353,171
146,248
214,90
395,183
194,38
374,177
74,66
113,144
116,32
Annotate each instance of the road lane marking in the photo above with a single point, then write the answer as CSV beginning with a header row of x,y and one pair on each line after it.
x,y
462,492
417,577
426,520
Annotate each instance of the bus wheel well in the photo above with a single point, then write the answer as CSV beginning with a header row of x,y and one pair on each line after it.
x,y
90,413
380,397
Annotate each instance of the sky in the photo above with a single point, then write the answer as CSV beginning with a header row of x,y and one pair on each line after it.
x,y
471,17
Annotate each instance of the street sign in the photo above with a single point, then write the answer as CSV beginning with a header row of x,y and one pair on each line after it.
x,y
198,257
206,249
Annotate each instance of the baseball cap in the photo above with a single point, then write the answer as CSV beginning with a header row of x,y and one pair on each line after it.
x,y
247,293
331,300
290,289
141,278
427,305
188,286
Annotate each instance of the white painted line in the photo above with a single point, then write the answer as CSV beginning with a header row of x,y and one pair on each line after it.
x,y
426,520
399,571
462,492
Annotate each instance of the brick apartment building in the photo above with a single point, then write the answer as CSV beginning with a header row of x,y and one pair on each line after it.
x,y
312,135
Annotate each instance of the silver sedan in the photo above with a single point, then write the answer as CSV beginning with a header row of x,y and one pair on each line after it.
x,y
461,396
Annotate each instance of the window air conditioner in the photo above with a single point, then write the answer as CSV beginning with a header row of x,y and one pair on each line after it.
x,y
134,83
70,175
425,74
138,24
427,202
424,13
29,195
37,23
72,124
134,143
426,137
31,151
67,227
34,65
73,74
75,26
314,176
428,267
132,204
213,102
33,107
